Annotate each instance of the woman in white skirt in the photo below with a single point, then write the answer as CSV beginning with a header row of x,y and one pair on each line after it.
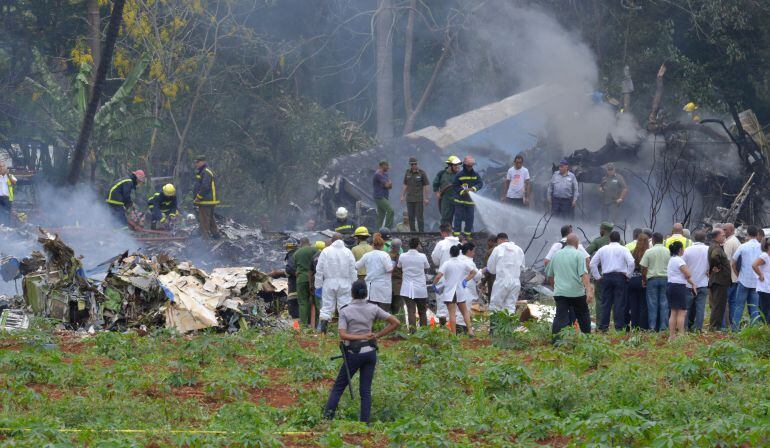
x,y
379,267
414,290
456,274
470,292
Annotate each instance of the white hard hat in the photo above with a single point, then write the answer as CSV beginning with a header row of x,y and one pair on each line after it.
x,y
342,213
190,216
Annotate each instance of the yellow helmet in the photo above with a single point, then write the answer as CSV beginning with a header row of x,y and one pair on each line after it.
x,y
690,107
454,160
361,231
320,245
169,190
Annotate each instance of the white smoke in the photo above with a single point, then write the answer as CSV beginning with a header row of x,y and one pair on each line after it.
x,y
535,49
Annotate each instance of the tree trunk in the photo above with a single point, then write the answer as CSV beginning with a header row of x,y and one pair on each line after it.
x,y
94,32
656,100
384,63
93,104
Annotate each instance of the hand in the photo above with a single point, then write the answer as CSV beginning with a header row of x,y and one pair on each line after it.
x,y
465,283
438,195
620,200
434,288
694,290
369,336
574,204
403,200
318,292
715,269
601,189
761,278
589,296
426,201
526,201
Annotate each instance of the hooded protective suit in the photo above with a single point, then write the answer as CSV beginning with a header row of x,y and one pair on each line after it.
x,y
335,272
439,255
505,263
379,268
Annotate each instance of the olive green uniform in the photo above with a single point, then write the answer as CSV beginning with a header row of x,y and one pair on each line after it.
x,y
303,261
612,189
442,184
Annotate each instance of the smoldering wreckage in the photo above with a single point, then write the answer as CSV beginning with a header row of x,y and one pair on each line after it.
x,y
154,288
145,291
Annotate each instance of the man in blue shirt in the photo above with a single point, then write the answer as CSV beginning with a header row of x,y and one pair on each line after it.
x,y
563,191
381,185
746,293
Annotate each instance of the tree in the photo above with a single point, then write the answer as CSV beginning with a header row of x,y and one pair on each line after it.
x,y
384,21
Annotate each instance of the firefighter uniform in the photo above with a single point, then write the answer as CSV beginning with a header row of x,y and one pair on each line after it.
x,y
467,180
119,198
205,194
162,207
344,227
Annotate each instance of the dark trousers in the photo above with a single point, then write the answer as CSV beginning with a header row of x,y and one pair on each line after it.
x,y
463,214
576,305
517,202
447,208
119,213
718,304
207,222
416,220
764,305
614,287
293,306
5,211
562,207
415,307
365,362
636,304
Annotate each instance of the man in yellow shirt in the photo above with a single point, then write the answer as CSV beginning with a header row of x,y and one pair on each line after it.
x,y
677,234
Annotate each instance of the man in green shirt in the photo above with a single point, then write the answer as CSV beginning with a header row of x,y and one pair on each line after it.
x,y
572,288
303,261
361,234
442,186
415,194
613,190
654,264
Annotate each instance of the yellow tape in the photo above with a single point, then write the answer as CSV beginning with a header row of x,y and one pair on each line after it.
x,y
153,431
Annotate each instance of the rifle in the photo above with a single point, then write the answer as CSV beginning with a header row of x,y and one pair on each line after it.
x,y
344,357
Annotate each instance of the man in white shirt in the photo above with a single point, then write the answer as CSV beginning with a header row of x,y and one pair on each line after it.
x,y
557,246
697,259
439,255
617,265
517,186
7,181
746,292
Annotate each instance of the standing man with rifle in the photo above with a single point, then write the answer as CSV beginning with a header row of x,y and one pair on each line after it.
x,y
359,349
442,186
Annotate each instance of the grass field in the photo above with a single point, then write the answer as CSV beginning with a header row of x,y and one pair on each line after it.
x,y
431,390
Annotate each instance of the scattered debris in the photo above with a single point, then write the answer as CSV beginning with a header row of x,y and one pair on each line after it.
x,y
11,320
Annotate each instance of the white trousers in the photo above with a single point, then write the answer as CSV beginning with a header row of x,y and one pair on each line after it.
x,y
504,296
336,293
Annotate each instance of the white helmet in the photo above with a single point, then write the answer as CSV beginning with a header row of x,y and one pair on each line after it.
x,y
342,213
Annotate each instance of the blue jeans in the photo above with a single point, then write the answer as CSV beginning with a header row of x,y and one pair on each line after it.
x,y
365,362
463,213
614,287
657,303
744,296
696,309
562,207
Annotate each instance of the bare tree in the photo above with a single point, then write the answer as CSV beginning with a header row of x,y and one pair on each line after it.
x,y
383,19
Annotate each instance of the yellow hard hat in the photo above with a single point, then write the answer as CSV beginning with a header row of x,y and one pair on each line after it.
x,y
454,160
690,107
696,118
320,245
361,231
169,190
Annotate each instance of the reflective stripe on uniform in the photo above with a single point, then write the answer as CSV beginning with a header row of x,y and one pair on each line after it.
x,y
112,190
345,227
213,200
10,190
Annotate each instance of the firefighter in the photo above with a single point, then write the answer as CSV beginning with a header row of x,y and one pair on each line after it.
x,y
343,225
162,205
442,186
465,182
119,195
205,198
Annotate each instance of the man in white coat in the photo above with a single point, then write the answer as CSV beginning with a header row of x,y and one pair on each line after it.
x,y
335,272
505,264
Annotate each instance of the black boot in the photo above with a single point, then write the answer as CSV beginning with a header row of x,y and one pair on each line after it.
x,y
322,326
